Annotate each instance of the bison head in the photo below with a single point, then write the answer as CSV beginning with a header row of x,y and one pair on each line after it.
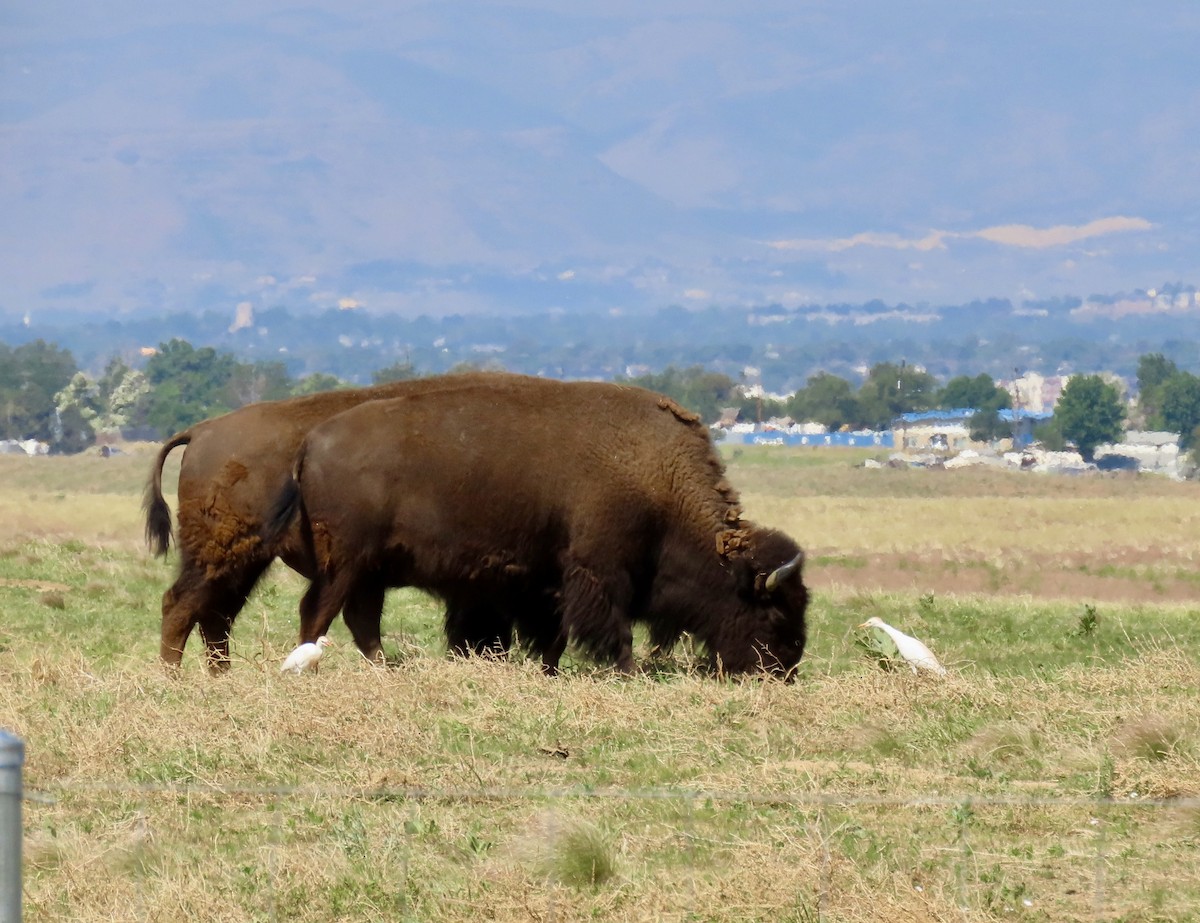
x,y
766,629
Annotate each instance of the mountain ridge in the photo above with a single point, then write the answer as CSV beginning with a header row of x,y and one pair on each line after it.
x,y
520,156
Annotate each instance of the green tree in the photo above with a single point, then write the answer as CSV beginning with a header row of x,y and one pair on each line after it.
x,y
985,425
72,432
1090,413
260,381
78,408
978,393
826,399
316,383
1049,434
891,390
124,397
1154,370
982,395
82,393
30,376
397,371
187,385
696,388
1180,408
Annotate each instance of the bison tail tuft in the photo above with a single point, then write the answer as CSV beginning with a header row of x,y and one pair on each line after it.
x,y
158,514
158,525
283,510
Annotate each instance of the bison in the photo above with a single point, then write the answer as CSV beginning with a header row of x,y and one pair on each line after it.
x,y
584,506
232,467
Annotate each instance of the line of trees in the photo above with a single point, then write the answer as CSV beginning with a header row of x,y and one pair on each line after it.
x,y
44,396
1090,412
888,390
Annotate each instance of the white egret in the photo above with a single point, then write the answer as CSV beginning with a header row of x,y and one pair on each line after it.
x,y
913,651
305,656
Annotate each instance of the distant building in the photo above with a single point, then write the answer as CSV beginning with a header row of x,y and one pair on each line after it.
x,y
949,430
243,317
802,435
1035,393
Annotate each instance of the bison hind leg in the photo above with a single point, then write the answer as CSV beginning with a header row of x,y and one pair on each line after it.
x,y
325,598
212,602
363,615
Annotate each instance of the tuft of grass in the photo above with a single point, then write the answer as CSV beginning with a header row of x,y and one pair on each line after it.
x,y
53,599
1151,738
581,856
1004,748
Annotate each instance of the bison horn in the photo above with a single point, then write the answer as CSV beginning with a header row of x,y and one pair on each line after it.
x,y
781,573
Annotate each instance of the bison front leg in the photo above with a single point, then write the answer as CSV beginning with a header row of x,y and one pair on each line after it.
x,y
540,624
596,615
553,652
475,627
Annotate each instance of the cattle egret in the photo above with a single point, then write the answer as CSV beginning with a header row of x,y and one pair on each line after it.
x,y
913,651
305,656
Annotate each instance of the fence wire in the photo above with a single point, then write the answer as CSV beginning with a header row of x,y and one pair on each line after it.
x,y
586,792
979,872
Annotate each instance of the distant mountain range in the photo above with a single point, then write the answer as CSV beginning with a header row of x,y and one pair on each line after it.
x,y
491,158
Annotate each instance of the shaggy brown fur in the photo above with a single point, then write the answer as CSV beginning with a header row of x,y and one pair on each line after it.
x,y
232,468
607,503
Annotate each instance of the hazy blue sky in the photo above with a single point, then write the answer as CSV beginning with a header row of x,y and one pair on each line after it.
x,y
470,155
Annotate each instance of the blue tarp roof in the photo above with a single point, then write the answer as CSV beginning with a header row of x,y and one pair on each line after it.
x,y
961,414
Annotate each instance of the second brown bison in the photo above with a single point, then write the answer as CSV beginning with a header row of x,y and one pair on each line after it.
x,y
585,507
233,467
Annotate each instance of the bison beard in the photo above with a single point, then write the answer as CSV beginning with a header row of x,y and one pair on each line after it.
x,y
582,507
233,467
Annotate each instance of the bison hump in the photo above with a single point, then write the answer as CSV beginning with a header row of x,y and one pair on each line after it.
x,y
732,542
680,413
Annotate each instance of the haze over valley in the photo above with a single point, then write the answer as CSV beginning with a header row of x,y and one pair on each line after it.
x,y
501,158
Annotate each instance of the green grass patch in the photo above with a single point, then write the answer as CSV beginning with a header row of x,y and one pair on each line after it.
x,y
1051,775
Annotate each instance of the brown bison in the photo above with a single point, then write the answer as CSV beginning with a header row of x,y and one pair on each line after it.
x,y
592,504
232,468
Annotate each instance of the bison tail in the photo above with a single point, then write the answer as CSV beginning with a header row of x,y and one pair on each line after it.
x,y
158,514
283,510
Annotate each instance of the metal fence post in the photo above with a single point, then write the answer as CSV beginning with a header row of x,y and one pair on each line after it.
x,y
12,759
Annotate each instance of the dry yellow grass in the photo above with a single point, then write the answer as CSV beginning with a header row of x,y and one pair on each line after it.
x,y
1099,538
82,498
439,791
1054,775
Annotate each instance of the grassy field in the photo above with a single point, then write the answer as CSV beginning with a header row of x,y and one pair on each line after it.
x,y
1054,775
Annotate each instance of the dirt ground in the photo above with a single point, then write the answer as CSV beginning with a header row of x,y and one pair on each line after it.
x,y
1125,575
